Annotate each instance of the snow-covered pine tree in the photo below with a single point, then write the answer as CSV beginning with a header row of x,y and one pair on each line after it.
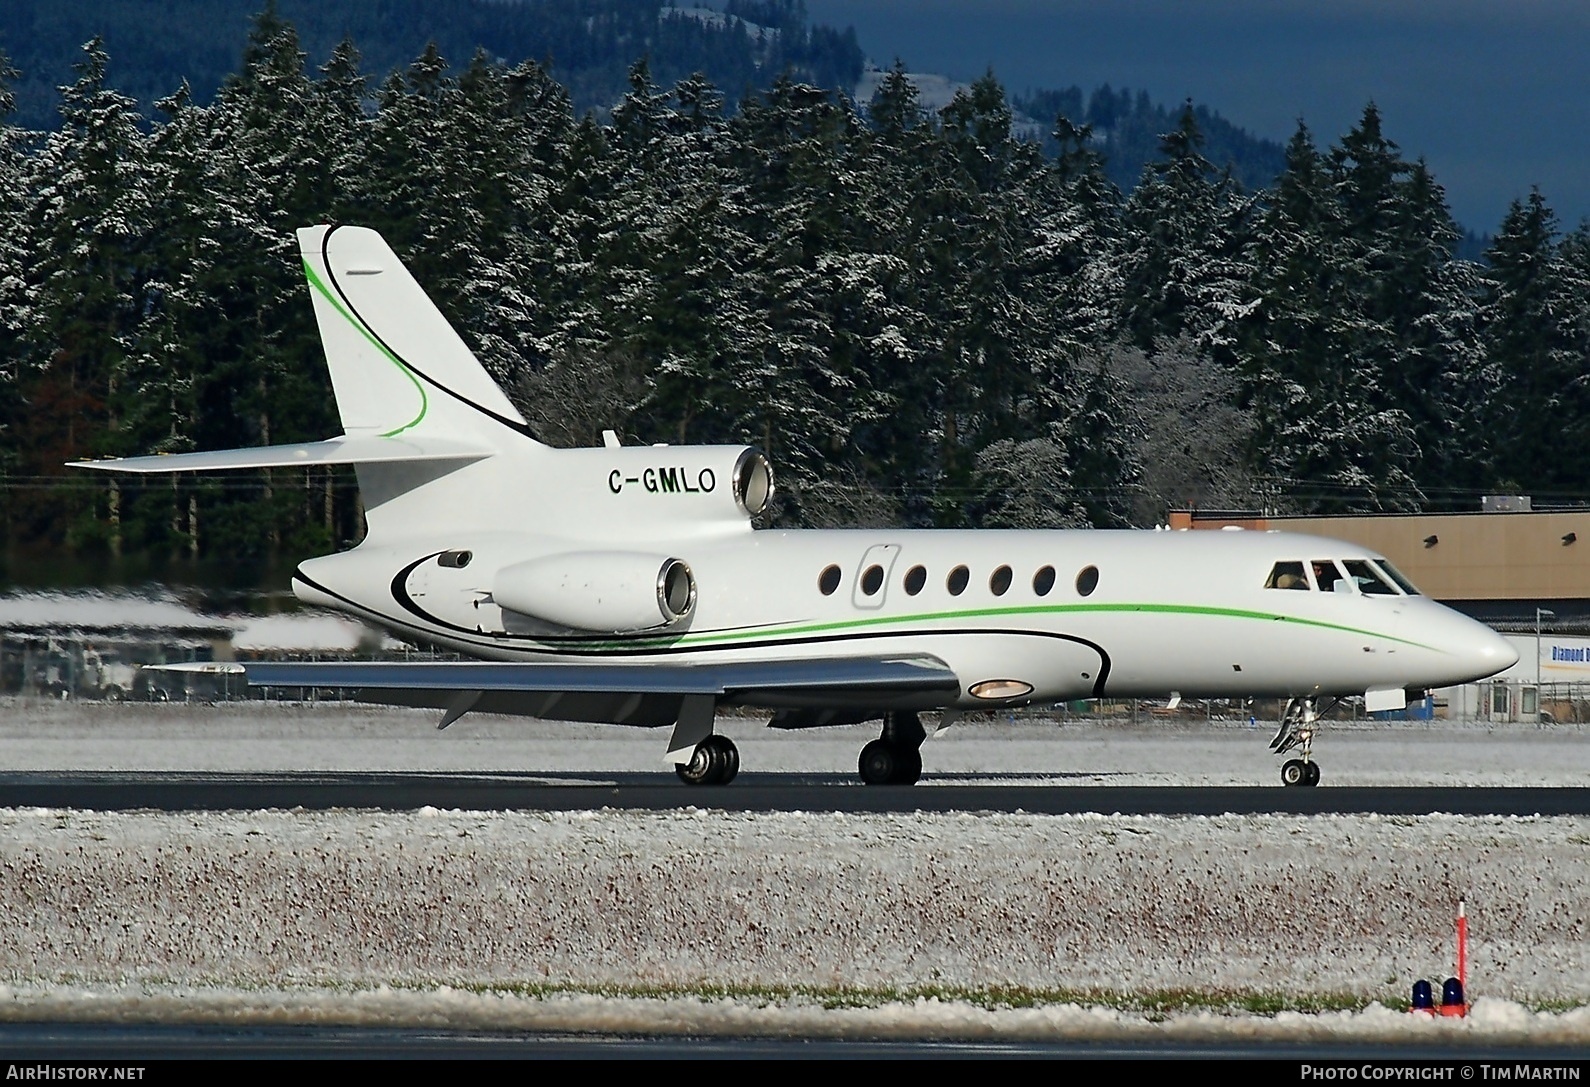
x,y
904,169
1183,269
16,316
797,392
1001,364
1316,352
1533,305
264,156
1437,372
88,218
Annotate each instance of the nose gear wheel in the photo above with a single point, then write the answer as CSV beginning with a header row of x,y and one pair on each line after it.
x,y
1296,733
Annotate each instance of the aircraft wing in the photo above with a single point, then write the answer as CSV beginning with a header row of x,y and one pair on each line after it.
x,y
621,692
348,449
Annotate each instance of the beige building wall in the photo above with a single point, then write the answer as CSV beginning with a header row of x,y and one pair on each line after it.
x,y
1459,556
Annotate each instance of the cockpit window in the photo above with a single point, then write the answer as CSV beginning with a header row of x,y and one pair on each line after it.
x,y
1287,575
1368,579
1396,576
1327,574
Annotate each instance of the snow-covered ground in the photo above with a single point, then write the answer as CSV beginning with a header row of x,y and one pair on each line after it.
x,y
706,920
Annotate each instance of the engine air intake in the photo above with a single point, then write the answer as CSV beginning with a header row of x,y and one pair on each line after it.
x,y
753,482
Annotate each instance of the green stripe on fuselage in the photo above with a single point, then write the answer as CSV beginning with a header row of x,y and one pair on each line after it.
x,y
774,633
325,292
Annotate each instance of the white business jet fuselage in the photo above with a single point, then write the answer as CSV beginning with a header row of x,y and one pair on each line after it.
x,y
628,584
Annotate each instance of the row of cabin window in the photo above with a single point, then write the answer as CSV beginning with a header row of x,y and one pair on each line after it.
x,y
915,580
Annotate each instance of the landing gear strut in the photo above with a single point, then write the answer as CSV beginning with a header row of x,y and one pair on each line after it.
x,y
1297,731
715,762
895,758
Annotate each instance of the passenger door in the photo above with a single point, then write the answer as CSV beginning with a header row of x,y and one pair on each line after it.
x,y
877,565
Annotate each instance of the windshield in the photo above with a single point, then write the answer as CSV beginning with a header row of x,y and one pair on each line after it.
x,y
1396,576
1370,582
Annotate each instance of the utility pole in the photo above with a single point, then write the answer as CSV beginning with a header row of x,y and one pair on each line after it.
x,y
1538,613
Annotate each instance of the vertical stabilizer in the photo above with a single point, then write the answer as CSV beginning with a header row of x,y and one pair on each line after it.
x,y
397,366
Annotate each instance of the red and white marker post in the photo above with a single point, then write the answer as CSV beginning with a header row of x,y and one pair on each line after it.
x,y
1454,999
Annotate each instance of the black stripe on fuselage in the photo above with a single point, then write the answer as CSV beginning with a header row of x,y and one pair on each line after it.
x,y
568,647
331,274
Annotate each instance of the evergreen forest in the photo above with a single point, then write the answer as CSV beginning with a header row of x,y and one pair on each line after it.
x,y
923,319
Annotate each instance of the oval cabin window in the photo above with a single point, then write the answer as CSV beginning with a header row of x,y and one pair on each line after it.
x,y
872,579
956,582
999,581
828,580
1043,581
915,579
1087,580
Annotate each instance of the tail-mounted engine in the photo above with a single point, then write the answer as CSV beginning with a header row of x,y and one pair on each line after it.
x,y
667,483
609,592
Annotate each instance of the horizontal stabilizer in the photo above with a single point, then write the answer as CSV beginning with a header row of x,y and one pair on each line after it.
x,y
349,449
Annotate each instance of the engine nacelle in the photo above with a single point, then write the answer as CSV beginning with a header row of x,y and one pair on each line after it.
x,y
612,592
662,483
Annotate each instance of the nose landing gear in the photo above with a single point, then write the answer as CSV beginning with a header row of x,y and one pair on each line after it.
x,y
1297,731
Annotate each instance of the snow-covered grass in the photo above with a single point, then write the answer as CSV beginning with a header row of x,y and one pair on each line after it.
x,y
968,924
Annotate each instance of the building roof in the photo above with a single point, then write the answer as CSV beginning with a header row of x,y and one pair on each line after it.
x,y
107,614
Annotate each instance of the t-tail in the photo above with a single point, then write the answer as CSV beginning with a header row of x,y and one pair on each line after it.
x,y
439,449
416,405
399,369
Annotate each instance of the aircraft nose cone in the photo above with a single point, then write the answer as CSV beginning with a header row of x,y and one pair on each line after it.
x,y
1485,652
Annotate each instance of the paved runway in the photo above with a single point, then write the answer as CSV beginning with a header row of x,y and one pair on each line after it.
x,y
770,792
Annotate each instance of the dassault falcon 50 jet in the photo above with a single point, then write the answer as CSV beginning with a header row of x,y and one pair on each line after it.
x,y
628,584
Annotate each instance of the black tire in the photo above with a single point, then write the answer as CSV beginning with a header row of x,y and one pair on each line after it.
x,y
726,758
879,763
910,768
1294,772
715,761
1313,774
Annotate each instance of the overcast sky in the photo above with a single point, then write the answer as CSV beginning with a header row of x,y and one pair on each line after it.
x,y
1493,94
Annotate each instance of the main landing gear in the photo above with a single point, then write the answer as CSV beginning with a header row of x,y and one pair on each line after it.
x,y
1298,722
895,758
715,762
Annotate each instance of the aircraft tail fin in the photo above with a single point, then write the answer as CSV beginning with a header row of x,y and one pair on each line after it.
x,y
398,368
416,405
